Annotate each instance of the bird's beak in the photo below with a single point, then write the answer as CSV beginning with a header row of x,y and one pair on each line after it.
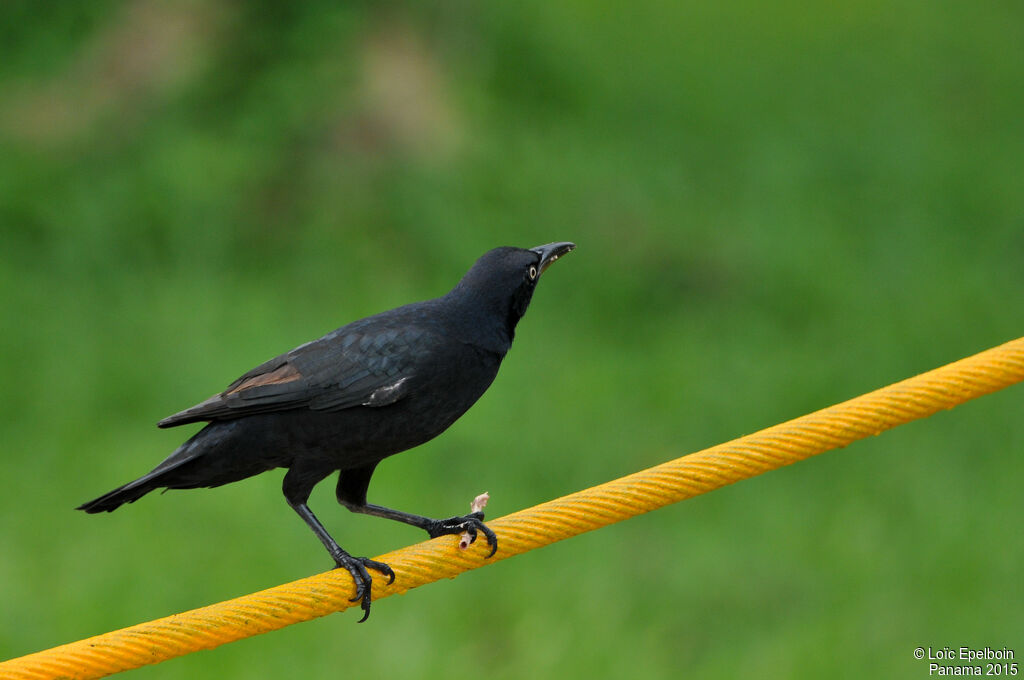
x,y
551,252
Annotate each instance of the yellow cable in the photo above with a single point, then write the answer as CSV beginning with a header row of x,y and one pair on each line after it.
x,y
676,480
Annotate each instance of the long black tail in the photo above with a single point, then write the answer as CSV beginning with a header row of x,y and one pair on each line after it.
x,y
129,493
160,476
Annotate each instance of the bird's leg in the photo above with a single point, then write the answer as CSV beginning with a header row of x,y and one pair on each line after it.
x,y
469,524
298,484
355,565
351,492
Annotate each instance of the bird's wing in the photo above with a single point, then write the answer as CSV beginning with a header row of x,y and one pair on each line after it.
x,y
354,366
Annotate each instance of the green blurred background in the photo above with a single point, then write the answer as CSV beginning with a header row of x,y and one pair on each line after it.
x,y
777,207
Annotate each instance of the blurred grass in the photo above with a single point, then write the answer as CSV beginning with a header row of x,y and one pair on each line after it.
x,y
777,209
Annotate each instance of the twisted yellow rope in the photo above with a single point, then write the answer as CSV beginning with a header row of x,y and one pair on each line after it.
x,y
641,492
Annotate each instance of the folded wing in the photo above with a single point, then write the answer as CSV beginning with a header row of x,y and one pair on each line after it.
x,y
358,365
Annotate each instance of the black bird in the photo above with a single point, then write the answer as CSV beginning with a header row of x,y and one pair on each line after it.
x,y
357,395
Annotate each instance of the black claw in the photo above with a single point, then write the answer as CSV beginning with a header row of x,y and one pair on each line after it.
x,y
477,519
382,568
492,539
469,524
356,566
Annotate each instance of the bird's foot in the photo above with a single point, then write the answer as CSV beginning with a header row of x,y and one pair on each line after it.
x,y
469,524
357,566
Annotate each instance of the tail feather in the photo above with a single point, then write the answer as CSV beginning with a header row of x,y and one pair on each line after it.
x,y
159,476
129,493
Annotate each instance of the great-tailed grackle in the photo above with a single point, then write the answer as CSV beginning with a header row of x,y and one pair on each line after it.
x,y
357,395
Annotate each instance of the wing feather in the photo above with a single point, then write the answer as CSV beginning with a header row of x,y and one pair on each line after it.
x,y
357,365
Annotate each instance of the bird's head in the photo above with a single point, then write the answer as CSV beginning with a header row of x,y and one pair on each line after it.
x,y
501,283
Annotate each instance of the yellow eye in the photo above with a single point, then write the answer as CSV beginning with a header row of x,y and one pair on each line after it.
x,y
533,272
